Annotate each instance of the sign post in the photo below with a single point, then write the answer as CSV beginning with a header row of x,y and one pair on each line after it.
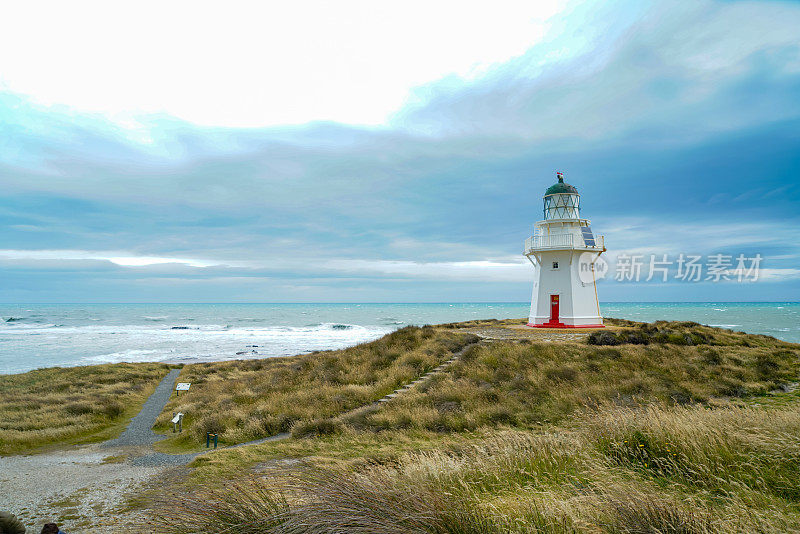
x,y
177,421
182,386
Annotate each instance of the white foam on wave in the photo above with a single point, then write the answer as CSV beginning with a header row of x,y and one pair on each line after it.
x,y
208,342
725,325
132,356
10,327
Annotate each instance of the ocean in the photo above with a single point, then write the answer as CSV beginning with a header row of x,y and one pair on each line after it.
x,y
47,335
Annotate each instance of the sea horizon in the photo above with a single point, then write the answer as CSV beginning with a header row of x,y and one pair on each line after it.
x,y
404,302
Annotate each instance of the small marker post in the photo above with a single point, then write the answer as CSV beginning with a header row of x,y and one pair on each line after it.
x,y
177,421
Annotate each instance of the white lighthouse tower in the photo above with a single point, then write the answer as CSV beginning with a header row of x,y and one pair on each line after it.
x,y
563,251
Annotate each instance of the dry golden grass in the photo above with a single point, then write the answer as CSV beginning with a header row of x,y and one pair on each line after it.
x,y
725,451
56,406
529,383
560,437
478,323
246,400
675,333
347,447
737,474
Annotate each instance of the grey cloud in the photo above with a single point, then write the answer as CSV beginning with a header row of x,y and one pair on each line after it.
x,y
680,66
638,117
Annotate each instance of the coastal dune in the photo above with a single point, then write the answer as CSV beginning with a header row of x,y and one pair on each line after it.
x,y
517,409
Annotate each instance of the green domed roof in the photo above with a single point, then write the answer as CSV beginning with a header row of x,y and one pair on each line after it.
x,y
561,187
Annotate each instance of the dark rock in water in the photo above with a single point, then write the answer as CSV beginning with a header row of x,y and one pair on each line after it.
x,y
14,319
241,352
180,328
252,346
341,326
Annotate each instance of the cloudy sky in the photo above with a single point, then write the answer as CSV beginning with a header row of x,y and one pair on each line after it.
x,y
375,151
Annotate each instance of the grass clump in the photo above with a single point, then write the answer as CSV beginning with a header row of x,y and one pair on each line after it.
x,y
675,333
58,406
720,450
246,400
480,323
243,507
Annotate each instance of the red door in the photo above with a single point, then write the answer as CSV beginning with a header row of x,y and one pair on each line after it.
x,y
553,308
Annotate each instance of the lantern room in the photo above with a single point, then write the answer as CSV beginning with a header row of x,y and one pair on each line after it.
x,y
561,201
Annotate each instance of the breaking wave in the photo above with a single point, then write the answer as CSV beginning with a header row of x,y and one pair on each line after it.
x,y
96,344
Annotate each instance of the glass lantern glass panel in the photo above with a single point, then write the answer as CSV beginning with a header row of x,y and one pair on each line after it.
x,y
561,206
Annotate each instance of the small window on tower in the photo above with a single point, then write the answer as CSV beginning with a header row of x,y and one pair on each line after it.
x,y
555,265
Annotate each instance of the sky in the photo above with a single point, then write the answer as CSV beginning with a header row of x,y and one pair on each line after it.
x,y
390,151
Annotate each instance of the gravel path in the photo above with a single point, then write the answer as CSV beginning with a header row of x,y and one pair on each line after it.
x,y
519,332
140,429
276,437
160,459
79,489
83,489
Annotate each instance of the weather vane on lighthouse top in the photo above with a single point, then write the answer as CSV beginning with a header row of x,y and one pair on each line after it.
x,y
563,251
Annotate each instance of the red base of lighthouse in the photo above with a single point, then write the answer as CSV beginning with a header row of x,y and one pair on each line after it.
x,y
553,324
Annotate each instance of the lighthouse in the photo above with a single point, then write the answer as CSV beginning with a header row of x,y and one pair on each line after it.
x,y
564,253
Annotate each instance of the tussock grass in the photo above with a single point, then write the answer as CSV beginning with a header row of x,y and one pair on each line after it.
x,y
245,507
522,436
348,447
677,333
479,323
56,406
525,383
567,480
247,400
719,450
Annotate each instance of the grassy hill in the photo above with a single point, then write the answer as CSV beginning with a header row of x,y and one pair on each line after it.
x,y
250,399
52,407
528,382
640,428
663,427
